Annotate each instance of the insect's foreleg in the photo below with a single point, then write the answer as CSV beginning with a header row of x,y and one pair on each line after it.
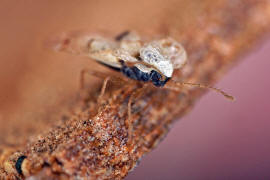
x,y
134,95
100,75
106,78
90,72
104,85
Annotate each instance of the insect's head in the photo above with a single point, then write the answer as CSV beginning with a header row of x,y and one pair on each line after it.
x,y
165,55
152,56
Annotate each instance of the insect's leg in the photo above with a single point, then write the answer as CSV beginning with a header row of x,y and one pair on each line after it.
x,y
90,72
175,86
104,85
100,75
134,95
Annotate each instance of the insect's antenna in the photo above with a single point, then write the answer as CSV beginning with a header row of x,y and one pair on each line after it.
x,y
171,85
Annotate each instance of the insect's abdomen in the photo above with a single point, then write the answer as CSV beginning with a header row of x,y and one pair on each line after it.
x,y
135,73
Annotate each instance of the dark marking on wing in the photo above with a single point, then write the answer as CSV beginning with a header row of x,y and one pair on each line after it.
x,y
138,57
120,36
111,67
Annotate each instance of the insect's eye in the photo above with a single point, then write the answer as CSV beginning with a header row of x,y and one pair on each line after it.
x,y
151,56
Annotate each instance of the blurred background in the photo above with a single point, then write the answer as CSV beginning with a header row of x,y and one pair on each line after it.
x,y
216,140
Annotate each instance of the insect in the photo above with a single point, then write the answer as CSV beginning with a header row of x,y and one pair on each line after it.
x,y
148,62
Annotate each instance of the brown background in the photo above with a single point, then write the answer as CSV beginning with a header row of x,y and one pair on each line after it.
x,y
217,140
